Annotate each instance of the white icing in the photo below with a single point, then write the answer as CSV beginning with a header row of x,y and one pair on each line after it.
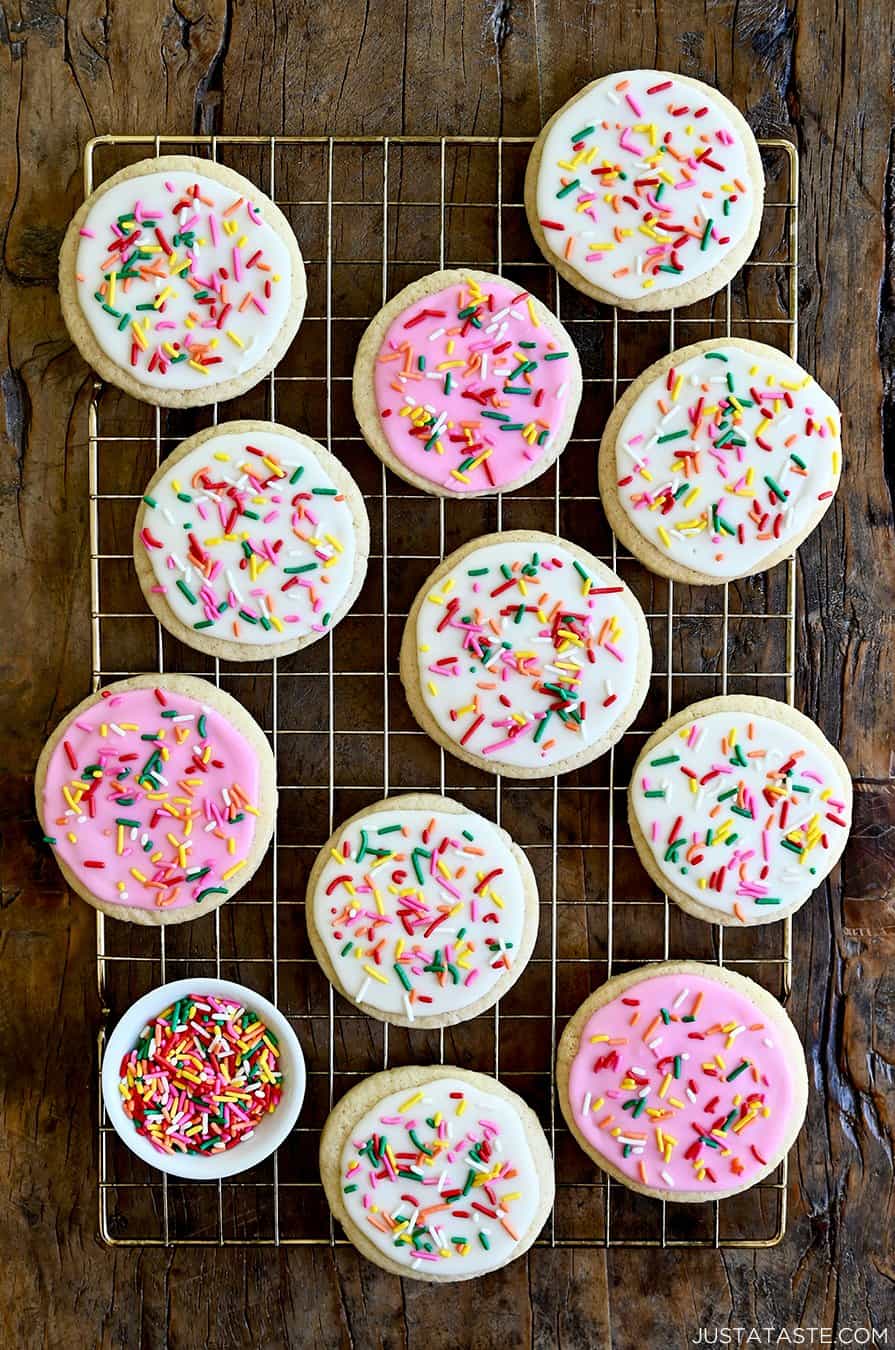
x,y
285,510
448,1170
369,919
244,336
595,671
730,477
630,143
757,865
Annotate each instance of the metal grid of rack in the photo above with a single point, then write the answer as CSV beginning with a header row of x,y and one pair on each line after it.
x,y
371,214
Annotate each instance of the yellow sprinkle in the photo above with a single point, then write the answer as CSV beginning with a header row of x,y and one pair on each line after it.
x,y
375,974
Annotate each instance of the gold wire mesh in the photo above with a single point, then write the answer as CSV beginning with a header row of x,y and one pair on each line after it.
x,y
371,214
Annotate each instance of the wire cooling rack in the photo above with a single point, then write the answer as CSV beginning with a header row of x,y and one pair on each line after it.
x,y
371,214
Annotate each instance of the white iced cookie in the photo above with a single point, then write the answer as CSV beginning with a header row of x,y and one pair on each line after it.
x,y
739,807
436,1173
251,541
181,282
646,190
422,912
719,460
524,655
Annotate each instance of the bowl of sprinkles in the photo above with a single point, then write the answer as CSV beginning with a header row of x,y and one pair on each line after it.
x,y
203,1078
646,190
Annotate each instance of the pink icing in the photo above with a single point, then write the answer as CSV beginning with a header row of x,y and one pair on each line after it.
x,y
450,413
198,804
635,1056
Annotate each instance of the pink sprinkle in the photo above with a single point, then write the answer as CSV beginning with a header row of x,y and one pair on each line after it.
x,y
638,111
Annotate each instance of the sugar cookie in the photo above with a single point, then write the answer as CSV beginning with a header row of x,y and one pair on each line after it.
x,y
436,1173
646,190
683,1081
251,541
524,655
465,385
719,460
181,282
422,912
158,797
739,807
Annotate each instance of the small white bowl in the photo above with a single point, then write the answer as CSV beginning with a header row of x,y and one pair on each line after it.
x,y
269,1132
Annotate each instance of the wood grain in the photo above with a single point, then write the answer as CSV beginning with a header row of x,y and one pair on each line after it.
x,y
818,74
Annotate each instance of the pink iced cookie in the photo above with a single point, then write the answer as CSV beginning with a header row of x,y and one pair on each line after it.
x,y
157,796
466,385
683,1080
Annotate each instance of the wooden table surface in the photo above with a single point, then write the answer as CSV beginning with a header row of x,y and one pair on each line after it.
x,y
819,74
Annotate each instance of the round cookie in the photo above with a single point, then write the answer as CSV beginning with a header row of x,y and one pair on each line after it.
x,y
195,811
716,1061
466,385
646,190
251,541
738,808
562,644
422,912
464,1138
719,460
181,282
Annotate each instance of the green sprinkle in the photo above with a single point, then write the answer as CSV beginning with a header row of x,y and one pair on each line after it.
x,y
706,235
580,135
204,623
664,759
306,567
211,890
775,487
298,473
150,501
673,436
555,356
735,1073
569,187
